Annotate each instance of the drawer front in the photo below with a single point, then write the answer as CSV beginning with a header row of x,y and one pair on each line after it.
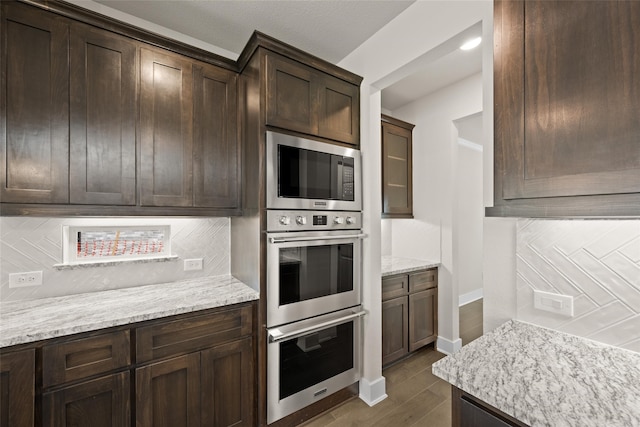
x,y
85,357
395,286
184,336
423,280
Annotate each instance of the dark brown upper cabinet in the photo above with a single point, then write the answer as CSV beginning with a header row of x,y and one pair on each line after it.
x,y
567,108
166,129
215,138
98,121
34,116
306,100
102,117
397,184
188,127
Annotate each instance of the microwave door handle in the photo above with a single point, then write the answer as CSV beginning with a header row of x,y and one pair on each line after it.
x,y
275,335
315,238
339,189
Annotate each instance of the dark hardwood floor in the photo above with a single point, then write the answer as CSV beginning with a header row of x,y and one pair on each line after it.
x,y
416,397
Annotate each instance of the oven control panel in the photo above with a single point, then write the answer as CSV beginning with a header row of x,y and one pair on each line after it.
x,y
286,220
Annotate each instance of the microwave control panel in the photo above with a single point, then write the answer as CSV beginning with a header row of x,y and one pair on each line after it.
x,y
286,220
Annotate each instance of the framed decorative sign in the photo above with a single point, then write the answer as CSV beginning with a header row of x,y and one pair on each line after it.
x,y
83,245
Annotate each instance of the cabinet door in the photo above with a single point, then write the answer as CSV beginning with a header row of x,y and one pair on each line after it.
x,y
103,114
227,385
215,132
422,318
168,393
395,318
166,113
292,95
17,389
397,186
567,105
34,104
395,286
339,109
103,402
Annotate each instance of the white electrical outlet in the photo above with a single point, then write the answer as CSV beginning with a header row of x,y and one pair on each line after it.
x,y
555,303
193,264
22,280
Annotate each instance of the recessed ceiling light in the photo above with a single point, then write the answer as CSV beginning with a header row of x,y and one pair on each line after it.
x,y
470,44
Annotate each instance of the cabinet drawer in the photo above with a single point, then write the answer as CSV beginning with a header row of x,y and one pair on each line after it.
x,y
395,286
423,280
195,333
82,358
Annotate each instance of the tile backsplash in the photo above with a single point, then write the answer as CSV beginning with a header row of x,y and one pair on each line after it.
x,y
32,244
595,261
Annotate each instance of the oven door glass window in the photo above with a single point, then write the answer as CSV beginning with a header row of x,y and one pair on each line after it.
x,y
310,359
310,272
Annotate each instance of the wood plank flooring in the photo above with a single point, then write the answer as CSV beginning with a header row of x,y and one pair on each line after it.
x,y
416,397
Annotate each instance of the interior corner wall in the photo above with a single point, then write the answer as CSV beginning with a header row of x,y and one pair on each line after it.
x,y
469,219
430,234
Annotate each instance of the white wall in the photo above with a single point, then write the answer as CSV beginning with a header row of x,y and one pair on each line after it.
x,y
468,223
420,28
597,262
35,244
436,174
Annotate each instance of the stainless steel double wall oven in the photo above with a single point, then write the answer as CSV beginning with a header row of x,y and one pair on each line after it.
x,y
314,268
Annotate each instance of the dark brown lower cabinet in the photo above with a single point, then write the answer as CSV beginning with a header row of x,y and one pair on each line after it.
x,y
17,388
227,384
409,313
168,393
213,387
187,370
395,329
468,411
102,402
422,318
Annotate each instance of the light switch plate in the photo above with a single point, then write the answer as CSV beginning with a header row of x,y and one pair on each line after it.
x,y
554,303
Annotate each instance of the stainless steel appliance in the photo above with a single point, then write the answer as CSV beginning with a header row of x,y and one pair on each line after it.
x,y
311,359
307,174
314,263
315,270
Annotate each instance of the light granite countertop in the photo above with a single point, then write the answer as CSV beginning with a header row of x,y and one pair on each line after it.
x,y
396,265
544,377
29,321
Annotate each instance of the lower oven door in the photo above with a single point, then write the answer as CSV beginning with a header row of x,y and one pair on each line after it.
x,y
311,359
312,273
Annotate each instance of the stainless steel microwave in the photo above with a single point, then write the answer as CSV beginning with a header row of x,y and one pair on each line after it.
x,y
307,174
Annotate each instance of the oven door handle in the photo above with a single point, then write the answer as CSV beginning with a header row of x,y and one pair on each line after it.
x,y
275,335
315,238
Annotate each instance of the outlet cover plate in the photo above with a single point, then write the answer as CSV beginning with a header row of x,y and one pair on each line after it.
x,y
554,303
23,280
193,264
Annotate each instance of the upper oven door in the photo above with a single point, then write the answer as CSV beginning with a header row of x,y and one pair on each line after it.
x,y
306,174
312,273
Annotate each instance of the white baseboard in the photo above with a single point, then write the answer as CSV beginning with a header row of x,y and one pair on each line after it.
x,y
448,347
373,392
469,297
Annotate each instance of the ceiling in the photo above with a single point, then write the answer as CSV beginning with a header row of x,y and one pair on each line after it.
x,y
329,29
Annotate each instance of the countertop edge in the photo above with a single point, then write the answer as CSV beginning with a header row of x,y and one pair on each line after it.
x,y
232,290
